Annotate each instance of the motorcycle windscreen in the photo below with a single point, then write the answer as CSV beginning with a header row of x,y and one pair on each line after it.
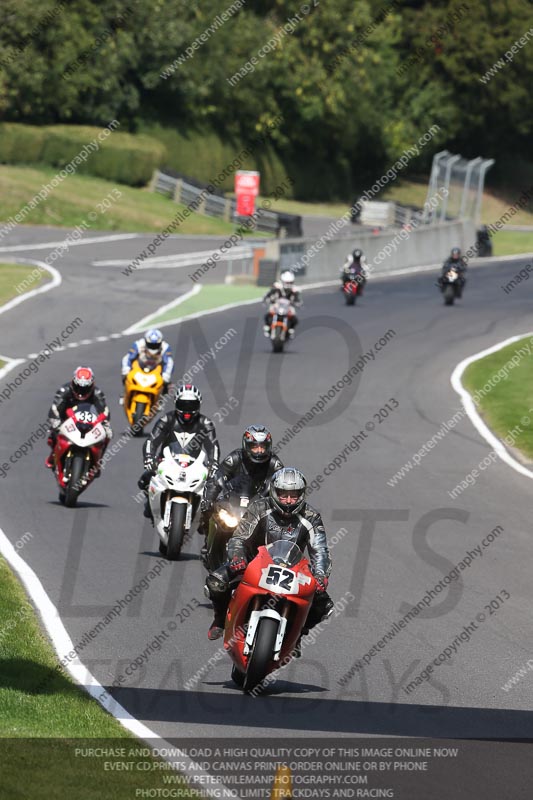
x,y
85,415
286,553
176,451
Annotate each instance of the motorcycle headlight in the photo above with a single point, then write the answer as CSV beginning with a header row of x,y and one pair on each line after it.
x,y
227,519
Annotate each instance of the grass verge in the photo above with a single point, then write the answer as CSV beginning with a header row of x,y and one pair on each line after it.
x,y
506,406
211,296
510,243
12,275
36,700
71,202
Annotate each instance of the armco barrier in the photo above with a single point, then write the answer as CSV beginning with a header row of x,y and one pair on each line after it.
x,y
385,252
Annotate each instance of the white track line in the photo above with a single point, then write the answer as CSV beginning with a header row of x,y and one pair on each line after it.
x,y
63,645
193,258
11,364
471,410
56,281
89,240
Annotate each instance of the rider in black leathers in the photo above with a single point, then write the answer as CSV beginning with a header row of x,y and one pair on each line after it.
x,y
81,389
283,288
185,425
458,262
254,463
284,514
354,269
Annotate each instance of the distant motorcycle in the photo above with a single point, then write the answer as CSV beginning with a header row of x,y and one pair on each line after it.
x,y
282,311
350,290
451,286
267,612
228,509
79,446
174,494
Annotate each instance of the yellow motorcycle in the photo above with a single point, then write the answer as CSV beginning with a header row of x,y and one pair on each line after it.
x,y
142,390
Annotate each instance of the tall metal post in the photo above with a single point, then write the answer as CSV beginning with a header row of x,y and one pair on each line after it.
x,y
486,165
471,164
433,179
451,161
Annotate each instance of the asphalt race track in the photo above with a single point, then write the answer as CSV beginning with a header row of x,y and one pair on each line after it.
x,y
398,541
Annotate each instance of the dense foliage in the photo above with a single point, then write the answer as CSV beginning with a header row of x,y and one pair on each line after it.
x,y
354,83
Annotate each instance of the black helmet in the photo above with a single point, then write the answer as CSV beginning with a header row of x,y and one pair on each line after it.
x,y
287,491
357,254
188,400
455,254
257,444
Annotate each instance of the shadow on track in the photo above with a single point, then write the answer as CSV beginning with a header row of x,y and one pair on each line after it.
x,y
277,711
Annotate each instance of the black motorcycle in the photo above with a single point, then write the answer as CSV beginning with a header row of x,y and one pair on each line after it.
x,y
228,509
451,285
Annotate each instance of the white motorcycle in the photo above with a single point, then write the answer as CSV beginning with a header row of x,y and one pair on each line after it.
x,y
174,494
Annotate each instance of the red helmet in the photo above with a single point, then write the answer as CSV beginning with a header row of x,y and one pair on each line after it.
x,y
82,383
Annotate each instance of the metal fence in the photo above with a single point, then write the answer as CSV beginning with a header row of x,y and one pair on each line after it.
x,y
211,204
464,181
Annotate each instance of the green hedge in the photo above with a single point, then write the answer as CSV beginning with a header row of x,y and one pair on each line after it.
x,y
121,157
204,155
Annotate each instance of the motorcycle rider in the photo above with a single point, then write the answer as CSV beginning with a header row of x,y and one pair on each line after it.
x,y
187,426
354,269
456,261
80,389
254,463
153,350
284,514
286,288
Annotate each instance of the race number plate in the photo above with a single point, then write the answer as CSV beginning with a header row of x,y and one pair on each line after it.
x,y
279,579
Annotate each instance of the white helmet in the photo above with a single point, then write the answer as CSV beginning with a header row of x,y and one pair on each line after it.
x,y
287,279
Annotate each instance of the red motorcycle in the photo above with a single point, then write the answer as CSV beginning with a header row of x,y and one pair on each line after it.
x,y
79,446
267,612
350,290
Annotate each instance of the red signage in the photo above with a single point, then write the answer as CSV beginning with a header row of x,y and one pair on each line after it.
x,y
246,190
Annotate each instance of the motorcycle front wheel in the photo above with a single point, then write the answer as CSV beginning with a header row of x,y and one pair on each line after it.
x,y
258,666
73,488
138,419
277,342
177,530
449,295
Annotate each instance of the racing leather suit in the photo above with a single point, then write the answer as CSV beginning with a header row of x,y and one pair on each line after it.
x,y
292,295
254,477
236,465
139,350
64,399
460,266
194,436
261,524
354,270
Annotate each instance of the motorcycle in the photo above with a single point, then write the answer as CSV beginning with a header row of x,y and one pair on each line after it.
x,y
350,289
142,389
267,612
279,326
174,494
228,509
451,286
78,448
